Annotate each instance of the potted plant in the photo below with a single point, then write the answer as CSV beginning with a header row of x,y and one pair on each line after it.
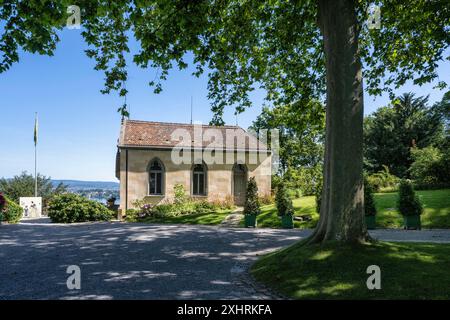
x,y
370,211
252,207
284,207
409,205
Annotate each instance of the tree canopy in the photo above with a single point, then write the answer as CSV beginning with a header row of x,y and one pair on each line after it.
x,y
275,45
391,132
23,186
301,132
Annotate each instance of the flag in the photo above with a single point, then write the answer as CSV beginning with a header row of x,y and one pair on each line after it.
x,y
36,130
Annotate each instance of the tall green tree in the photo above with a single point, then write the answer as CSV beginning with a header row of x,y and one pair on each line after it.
x,y
442,110
301,142
293,50
301,132
391,132
23,186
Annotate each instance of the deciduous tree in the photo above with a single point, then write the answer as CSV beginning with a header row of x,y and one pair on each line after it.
x,y
293,50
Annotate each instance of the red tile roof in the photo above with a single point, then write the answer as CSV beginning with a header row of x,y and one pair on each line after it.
x,y
167,135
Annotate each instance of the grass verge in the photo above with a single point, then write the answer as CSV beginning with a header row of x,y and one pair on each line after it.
x,y
335,271
436,211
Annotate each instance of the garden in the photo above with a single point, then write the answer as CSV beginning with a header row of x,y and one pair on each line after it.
x,y
436,211
180,209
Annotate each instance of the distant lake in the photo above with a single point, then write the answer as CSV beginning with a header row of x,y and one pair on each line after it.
x,y
102,200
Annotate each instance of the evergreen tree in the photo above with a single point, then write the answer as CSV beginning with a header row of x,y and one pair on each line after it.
x,y
369,201
283,202
251,200
408,202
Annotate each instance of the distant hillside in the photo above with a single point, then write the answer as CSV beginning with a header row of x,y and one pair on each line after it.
x,y
87,185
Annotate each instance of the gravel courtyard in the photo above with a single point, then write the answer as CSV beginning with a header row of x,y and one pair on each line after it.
x,y
139,261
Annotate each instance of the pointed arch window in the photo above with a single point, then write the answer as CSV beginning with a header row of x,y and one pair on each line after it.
x,y
156,178
199,180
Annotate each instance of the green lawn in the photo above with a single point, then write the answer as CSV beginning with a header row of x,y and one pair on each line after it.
x,y
436,211
211,218
303,206
408,271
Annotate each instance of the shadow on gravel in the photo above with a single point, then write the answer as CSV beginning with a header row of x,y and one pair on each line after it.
x,y
131,261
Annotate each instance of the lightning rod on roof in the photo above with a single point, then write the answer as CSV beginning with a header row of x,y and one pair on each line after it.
x,y
191,109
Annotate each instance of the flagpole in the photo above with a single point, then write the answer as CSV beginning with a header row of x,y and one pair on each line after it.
x,y
35,170
35,156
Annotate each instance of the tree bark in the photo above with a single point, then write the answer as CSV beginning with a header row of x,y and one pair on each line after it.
x,y
342,207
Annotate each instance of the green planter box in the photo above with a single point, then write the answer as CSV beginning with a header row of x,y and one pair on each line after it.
x,y
287,222
371,222
250,220
412,222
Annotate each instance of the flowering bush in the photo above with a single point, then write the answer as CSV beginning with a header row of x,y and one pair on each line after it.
x,y
180,205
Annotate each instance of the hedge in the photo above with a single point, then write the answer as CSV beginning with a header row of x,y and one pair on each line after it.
x,y
12,212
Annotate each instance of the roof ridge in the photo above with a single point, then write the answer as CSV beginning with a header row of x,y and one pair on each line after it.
x,y
182,124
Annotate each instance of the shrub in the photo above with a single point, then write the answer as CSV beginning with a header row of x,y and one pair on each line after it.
x,y
135,215
132,215
69,208
275,181
266,199
204,206
431,167
11,212
2,202
181,205
293,193
2,205
382,179
369,202
408,202
284,203
225,204
252,206
165,209
180,194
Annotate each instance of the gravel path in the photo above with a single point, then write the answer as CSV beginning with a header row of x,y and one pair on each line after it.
x,y
139,261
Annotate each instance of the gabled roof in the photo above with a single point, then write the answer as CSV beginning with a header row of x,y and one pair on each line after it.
x,y
157,135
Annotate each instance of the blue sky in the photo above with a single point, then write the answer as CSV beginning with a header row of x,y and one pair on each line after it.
x,y
79,126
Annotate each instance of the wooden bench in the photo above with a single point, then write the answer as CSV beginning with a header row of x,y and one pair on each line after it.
x,y
303,217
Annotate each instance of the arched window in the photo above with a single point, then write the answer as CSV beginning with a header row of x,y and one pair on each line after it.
x,y
199,180
156,178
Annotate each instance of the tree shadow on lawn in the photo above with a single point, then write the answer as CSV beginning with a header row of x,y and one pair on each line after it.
x,y
129,261
332,271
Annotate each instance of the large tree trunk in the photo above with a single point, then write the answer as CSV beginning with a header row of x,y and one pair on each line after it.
x,y
342,207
